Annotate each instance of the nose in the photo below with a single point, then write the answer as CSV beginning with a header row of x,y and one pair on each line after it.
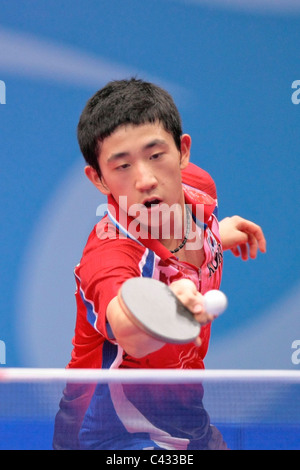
x,y
145,179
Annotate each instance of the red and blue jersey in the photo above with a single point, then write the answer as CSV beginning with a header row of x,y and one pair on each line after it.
x,y
116,416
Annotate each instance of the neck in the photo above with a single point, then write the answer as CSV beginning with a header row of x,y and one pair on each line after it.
x,y
176,240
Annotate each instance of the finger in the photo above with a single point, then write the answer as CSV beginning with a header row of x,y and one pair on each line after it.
x,y
244,252
262,244
235,250
253,246
196,304
204,318
255,230
187,294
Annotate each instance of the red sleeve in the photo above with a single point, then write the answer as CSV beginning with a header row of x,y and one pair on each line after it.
x,y
197,178
105,266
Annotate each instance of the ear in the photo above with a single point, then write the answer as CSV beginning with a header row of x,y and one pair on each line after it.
x,y
186,143
97,181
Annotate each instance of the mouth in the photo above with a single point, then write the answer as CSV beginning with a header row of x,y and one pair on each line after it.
x,y
151,202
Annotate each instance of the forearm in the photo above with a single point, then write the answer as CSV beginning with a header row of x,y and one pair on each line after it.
x,y
132,339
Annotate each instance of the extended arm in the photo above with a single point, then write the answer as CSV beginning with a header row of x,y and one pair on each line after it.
x,y
133,339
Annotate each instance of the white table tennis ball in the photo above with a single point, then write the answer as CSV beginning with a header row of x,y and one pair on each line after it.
x,y
215,302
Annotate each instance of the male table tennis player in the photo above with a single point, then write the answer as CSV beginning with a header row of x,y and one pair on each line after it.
x,y
131,137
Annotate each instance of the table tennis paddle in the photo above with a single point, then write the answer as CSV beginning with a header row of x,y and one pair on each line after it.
x,y
154,308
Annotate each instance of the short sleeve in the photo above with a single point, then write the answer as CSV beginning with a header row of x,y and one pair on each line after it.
x,y
105,266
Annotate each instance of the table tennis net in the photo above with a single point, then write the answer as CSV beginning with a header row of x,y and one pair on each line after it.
x,y
252,409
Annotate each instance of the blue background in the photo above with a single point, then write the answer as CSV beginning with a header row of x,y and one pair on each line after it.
x,y
230,69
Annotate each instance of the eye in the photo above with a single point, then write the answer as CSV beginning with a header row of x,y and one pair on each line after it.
x,y
123,167
156,156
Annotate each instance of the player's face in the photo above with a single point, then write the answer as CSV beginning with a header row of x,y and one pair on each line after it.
x,y
143,163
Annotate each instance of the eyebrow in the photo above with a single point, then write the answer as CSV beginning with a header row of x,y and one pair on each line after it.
x,y
149,145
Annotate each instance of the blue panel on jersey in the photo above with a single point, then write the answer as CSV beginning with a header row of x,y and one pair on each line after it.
x,y
149,265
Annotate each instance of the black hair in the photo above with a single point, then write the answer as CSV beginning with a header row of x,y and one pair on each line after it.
x,y
122,102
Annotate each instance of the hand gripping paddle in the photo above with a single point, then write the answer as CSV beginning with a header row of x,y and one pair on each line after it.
x,y
154,308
